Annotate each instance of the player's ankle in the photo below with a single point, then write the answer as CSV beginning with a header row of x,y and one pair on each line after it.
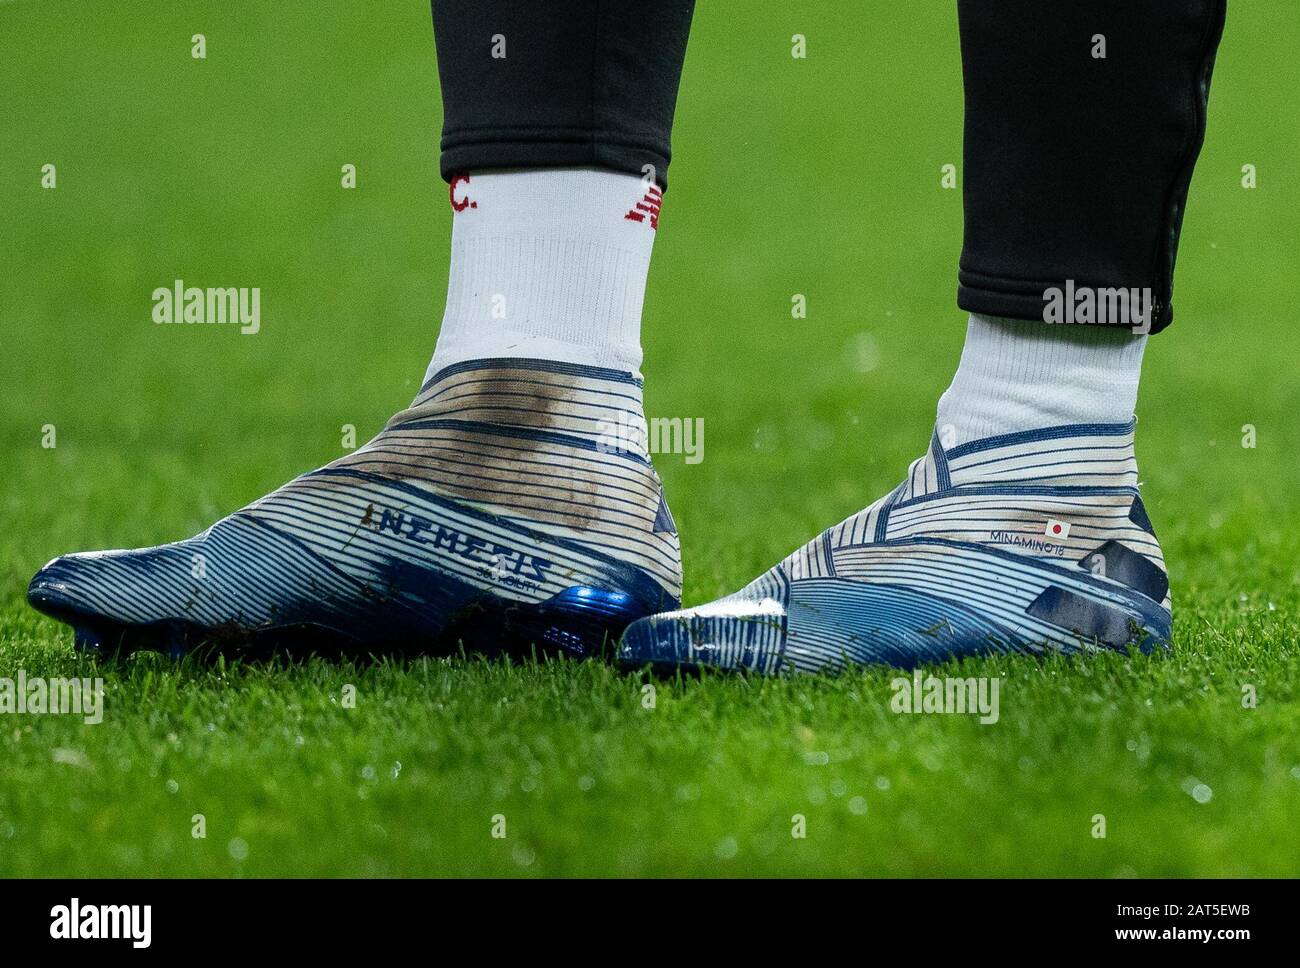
x,y
1020,375
548,264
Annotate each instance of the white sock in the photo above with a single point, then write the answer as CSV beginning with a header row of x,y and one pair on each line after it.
x,y
548,263
1024,375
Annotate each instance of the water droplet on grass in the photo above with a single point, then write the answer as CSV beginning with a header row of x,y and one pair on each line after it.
x,y
861,353
71,757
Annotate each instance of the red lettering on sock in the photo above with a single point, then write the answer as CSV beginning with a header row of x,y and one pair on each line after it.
x,y
649,205
464,203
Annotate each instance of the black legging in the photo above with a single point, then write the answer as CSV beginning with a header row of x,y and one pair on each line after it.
x,y
1076,165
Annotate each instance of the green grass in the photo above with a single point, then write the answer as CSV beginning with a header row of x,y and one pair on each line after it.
x,y
818,177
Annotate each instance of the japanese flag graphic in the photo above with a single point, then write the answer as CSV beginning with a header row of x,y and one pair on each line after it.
x,y
1056,530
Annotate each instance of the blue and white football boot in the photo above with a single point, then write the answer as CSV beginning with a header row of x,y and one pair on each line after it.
x,y
1026,542
512,504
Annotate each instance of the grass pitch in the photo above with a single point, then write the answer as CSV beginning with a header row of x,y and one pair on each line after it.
x,y
818,177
